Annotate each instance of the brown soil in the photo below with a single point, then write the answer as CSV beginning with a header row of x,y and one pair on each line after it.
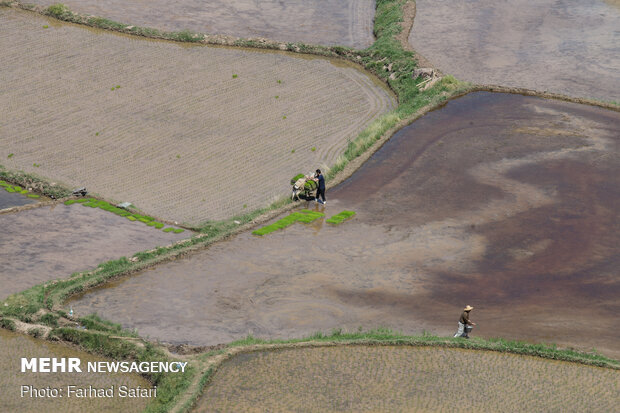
x,y
448,214
388,378
214,141
534,44
327,22
47,243
15,346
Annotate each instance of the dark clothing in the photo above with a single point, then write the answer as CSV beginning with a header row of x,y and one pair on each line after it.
x,y
320,192
465,318
322,184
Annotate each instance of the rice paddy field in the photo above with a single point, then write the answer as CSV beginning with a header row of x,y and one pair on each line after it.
x,y
566,46
327,22
505,201
52,242
12,199
386,378
15,346
184,133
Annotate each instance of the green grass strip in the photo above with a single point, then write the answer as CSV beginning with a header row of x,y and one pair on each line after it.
x,y
168,229
33,196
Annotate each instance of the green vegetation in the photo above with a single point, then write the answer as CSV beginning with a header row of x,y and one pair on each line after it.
x,y
313,149
49,320
305,216
296,177
36,332
8,324
34,182
57,10
234,76
95,203
340,217
45,26
10,155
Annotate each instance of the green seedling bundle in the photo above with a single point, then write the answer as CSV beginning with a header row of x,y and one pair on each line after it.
x,y
340,218
305,216
150,221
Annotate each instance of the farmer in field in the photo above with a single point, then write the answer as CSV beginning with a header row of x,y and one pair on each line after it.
x,y
465,324
320,192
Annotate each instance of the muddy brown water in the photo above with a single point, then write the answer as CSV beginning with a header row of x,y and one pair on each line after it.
x,y
328,22
47,243
563,46
11,199
505,202
15,346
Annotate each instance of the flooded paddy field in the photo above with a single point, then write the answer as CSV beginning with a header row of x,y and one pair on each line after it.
x,y
327,22
186,133
390,378
505,202
12,199
15,346
569,47
46,243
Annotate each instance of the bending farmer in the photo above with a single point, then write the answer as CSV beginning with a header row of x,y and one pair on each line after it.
x,y
320,192
465,324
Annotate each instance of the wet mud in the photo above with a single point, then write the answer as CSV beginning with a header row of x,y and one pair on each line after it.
x,y
8,199
15,346
47,243
505,202
327,22
567,47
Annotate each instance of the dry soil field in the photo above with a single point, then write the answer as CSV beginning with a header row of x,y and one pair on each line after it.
x,y
184,133
327,22
505,202
569,47
46,243
15,346
386,378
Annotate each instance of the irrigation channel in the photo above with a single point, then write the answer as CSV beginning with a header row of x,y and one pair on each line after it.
x,y
51,242
15,346
505,202
563,46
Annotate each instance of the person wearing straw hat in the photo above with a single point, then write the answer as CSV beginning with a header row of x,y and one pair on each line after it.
x,y
465,324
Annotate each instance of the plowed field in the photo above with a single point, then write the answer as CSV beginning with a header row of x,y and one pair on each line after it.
x,y
184,133
328,22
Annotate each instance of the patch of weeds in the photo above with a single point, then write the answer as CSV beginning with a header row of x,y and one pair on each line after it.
x,y
178,230
186,36
46,26
49,320
235,76
8,324
313,149
97,134
131,217
245,206
36,165
340,217
57,10
168,229
178,156
23,191
112,88
118,86
158,225
36,332
292,150
10,155
34,196
284,117
277,97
